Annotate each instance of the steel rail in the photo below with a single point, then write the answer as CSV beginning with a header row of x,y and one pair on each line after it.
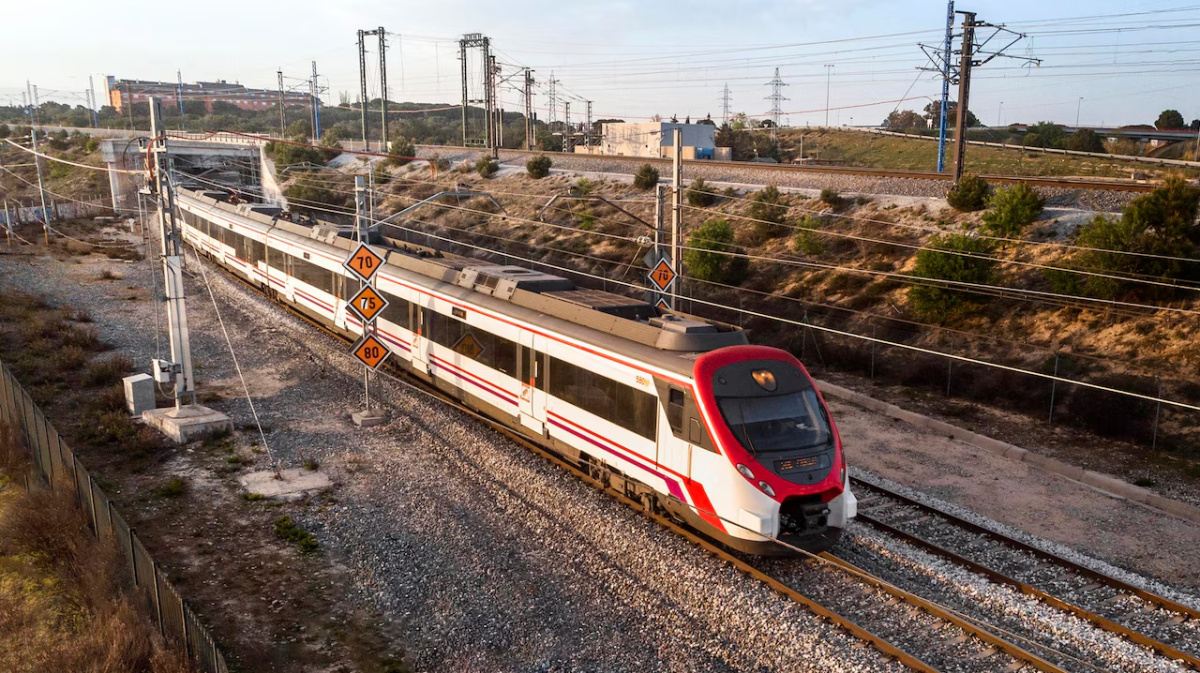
x,y
1040,181
1000,578
1115,583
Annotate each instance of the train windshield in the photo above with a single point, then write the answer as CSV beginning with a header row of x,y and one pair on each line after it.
x,y
778,423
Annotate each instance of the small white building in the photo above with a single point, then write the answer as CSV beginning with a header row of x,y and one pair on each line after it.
x,y
656,139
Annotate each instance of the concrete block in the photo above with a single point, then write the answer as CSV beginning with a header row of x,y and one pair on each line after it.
x,y
139,393
188,424
368,418
286,485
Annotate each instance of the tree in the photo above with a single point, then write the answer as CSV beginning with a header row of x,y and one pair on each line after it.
x,y
699,195
299,129
740,121
904,120
646,177
1195,125
1011,209
1046,134
768,212
933,112
5,131
724,137
1085,140
711,256
953,257
1169,119
401,151
707,120
969,193
1156,226
538,167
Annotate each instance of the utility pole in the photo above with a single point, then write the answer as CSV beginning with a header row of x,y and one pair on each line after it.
x,y
776,99
971,55
37,160
964,93
282,113
489,79
362,83
1078,107
725,104
587,131
828,79
172,258
676,212
179,98
566,127
92,96
383,89
315,89
529,128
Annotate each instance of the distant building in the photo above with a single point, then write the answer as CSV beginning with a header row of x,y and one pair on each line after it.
x,y
656,139
121,92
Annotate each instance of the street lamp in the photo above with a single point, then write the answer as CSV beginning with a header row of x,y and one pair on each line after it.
x,y
1000,115
828,73
1077,107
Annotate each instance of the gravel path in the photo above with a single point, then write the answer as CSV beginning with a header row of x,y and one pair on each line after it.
x,y
1085,199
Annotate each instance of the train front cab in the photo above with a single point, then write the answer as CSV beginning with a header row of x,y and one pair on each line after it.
x,y
789,479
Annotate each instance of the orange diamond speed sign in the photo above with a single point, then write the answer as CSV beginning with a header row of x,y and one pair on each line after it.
x,y
371,351
662,275
364,262
367,303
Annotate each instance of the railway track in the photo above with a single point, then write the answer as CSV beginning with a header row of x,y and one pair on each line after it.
x,y
916,632
1034,181
1166,627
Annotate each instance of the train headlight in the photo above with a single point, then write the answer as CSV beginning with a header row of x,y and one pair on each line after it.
x,y
766,488
745,471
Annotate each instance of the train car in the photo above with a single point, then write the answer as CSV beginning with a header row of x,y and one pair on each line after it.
x,y
676,411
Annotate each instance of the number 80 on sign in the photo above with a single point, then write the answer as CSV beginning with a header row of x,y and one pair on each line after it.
x,y
371,351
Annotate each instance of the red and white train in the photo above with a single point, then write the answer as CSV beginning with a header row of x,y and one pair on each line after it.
x,y
677,411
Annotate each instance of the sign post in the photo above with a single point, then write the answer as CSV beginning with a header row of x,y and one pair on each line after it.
x,y
366,305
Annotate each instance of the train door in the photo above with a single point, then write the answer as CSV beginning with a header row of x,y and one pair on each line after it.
x,y
532,370
420,341
674,451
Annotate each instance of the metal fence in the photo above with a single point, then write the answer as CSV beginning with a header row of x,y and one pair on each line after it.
x,y
57,466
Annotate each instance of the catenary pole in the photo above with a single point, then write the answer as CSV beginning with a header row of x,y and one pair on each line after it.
x,y
945,107
676,211
964,93
282,113
172,257
383,90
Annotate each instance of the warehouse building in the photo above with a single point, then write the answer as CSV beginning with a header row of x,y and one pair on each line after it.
x,y
656,140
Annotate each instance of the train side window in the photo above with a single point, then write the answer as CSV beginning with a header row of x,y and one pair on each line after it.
x,y
675,410
524,364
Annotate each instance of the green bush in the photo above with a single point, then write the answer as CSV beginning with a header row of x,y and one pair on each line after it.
x,y
706,260
831,198
287,530
699,195
646,177
401,152
585,186
940,261
970,193
807,242
538,167
1156,226
768,211
1011,209
486,167
172,489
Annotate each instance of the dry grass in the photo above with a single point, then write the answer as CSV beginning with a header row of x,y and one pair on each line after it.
x,y
62,604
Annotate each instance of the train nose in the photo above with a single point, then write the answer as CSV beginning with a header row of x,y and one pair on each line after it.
x,y
803,515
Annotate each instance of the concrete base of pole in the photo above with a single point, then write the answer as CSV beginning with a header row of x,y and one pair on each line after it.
x,y
286,485
188,424
369,418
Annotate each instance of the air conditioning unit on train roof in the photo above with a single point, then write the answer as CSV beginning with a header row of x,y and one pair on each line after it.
x,y
674,323
324,233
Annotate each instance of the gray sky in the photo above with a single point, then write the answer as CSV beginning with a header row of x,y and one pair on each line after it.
x,y
1127,60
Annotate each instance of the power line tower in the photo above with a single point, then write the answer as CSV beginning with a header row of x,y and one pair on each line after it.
x,y
972,54
553,102
483,43
726,109
776,99
362,81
